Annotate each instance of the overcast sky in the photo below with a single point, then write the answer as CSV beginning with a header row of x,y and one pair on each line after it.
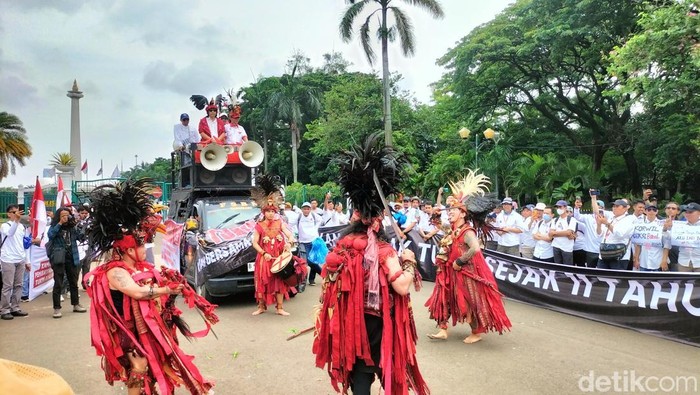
x,y
137,63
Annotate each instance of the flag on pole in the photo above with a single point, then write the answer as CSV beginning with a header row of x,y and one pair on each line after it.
x,y
62,197
116,173
84,169
49,173
38,216
99,172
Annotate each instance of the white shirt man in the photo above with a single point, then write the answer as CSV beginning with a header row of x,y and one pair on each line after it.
x,y
292,218
587,237
540,233
13,259
183,134
235,134
617,230
563,231
527,242
509,224
308,224
689,257
652,256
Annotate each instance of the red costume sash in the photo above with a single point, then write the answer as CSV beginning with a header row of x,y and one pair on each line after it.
x,y
341,336
272,241
467,295
204,127
147,326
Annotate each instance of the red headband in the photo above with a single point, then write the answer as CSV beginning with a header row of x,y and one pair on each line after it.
x,y
126,242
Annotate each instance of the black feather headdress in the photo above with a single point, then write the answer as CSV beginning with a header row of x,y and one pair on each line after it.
x,y
357,168
267,191
118,210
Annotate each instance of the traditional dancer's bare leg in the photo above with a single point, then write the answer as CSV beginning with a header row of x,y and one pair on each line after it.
x,y
280,309
441,334
261,309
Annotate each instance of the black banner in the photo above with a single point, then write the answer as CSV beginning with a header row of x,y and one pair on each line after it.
x,y
664,304
425,250
216,259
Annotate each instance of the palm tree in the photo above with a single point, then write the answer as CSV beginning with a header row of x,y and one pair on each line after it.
x,y
14,148
402,28
288,104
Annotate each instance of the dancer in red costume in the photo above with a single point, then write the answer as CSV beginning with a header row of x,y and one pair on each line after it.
x,y
133,315
212,129
365,324
271,237
465,289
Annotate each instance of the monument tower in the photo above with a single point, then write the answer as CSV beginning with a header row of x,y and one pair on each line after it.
x,y
75,94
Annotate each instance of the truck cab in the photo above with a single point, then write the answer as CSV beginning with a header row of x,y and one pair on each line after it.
x,y
211,198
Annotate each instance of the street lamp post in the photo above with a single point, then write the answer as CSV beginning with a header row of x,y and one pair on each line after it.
x,y
489,134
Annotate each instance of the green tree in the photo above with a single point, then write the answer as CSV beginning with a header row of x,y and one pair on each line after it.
x,y
159,170
543,63
386,33
660,69
286,106
14,148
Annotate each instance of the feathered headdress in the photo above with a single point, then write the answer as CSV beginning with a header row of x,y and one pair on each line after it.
x,y
471,196
472,184
266,192
118,211
357,168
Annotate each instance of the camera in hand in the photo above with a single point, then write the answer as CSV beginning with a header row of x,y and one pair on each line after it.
x,y
594,192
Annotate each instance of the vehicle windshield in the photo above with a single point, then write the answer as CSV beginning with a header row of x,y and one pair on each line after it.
x,y
226,214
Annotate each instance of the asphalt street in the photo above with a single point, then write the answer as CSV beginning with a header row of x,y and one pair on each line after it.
x,y
546,352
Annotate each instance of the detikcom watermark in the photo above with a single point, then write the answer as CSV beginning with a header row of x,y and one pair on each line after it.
x,y
628,381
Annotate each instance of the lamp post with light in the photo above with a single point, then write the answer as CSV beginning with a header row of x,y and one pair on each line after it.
x,y
489,134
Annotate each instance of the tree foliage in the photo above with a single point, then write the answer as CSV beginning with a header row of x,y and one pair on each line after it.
x,y
14,148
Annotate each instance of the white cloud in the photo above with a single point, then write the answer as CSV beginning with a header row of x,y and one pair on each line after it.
x,y
138,62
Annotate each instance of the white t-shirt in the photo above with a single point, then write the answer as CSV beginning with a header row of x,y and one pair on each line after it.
x,y
650,256
13,242
330,218
512,220
543,249
213,127
184,135
308,227
526,239
235,134
292,218
562,242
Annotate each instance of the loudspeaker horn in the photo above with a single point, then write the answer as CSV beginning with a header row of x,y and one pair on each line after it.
x,y
251,154
213,157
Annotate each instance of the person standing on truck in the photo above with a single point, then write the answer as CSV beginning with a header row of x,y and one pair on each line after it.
x,y
271,238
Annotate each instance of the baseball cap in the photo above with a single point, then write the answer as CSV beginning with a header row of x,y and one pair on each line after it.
x,y
562,203
620,202
540,206
288,205
600,203
692,207
305,204
529,207
507,201
406,199
184,116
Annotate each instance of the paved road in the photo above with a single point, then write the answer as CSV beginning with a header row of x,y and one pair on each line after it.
x,y
546,353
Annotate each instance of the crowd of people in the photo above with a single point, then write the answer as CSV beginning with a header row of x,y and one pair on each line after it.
x,y
596,236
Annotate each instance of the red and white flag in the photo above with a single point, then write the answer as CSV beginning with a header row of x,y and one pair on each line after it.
x,y
38,216
84,169
62,196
